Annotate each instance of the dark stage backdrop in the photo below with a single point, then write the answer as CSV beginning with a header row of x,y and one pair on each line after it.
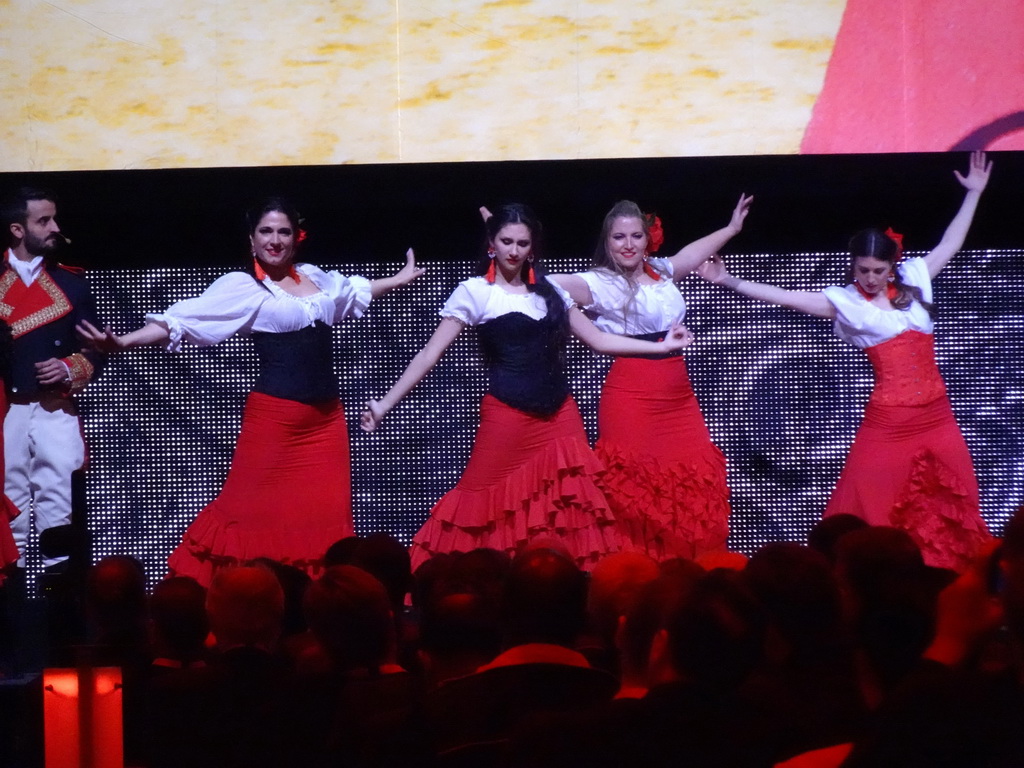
x,y
782,397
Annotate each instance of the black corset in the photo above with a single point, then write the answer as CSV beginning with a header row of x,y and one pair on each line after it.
x,y
296,365
524,363
657,336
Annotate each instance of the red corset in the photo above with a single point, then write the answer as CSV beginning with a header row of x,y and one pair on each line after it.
x,y
905,370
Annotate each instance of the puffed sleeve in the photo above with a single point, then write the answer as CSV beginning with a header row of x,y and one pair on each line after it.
x,y
227,307
562,294
466,302
605,290
915,272
853,321
663,267
350,293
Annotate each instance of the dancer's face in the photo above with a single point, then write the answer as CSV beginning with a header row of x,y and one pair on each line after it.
x,y
39,233
273,242
627,242
871,274
512,246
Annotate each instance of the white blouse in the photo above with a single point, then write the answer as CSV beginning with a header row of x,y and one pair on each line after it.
x,y
475,301
861,323
236,303
654,309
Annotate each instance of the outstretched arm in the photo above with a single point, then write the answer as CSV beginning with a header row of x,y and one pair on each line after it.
x,y
418,367
404,276
808,302
678,337
952,241
107,341
699,251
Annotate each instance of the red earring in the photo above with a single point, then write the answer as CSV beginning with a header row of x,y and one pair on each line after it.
x,y
531,278
490,268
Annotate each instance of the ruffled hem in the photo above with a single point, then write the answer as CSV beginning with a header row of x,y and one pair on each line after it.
x,y
675,509
940,514
209,545
554,494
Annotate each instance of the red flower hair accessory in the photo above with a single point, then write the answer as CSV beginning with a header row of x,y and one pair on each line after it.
x,y
655,234
897,238
655,237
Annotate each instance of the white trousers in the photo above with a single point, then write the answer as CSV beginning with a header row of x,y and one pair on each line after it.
x,y
43,446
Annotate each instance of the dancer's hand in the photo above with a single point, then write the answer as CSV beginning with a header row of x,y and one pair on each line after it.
x,y
679,337
739,213
102,341
371,415
410,271
485,213
977,172
713,270
52,371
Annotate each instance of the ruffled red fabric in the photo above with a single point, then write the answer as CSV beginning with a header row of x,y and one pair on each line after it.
x,y
527,477
674,510
939,513
909,467
8,511
665,479
8,549
287,496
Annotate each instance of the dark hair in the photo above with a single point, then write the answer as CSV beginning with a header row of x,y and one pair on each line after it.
x,y
544,600
517,213
624,209
255,215
14,208
348,611
878,245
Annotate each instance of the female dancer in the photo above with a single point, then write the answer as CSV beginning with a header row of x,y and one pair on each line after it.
x,y
287,495
909,466
531,471
665,479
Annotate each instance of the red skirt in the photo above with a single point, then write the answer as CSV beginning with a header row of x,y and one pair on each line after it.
x,y
287,496
8,549
527,477
909,467
665,479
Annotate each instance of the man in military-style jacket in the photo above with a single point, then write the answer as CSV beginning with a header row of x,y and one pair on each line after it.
x,y
42,302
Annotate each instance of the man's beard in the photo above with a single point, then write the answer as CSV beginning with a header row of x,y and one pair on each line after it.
x,y
42,246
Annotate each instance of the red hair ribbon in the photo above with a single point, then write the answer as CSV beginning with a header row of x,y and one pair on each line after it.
x,y
897,238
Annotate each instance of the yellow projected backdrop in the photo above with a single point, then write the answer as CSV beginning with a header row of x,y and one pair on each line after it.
x,y
110,84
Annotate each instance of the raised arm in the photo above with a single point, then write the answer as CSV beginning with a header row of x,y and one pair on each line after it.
x,y
808,302
953,239
404,276
679,337
447,330
107,341
699,251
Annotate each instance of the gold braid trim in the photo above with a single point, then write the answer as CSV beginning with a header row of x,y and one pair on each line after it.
x,y
60,306
81,371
